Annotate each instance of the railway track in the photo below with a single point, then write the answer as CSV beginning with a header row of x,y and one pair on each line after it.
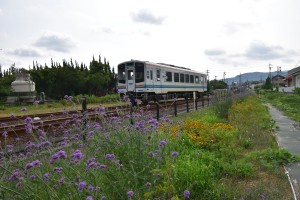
x,y
21,129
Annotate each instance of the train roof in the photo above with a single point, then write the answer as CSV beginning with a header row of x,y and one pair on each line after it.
x,y
165,65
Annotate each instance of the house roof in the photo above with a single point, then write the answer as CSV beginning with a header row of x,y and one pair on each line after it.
x,y
278,76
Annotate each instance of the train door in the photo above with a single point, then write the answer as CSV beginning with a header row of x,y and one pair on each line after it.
x,y
151,81
130,80
158,81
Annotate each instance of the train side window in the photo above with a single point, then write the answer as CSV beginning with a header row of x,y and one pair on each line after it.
x,y
196,79
191,78
130,74
157,75
176,77
181,78
187,78
148,75
151,75
202,79
168,76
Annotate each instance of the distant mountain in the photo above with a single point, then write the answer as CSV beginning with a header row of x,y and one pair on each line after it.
x,y
253,76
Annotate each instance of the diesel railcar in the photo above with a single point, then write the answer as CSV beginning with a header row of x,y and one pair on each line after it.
x,y
144,80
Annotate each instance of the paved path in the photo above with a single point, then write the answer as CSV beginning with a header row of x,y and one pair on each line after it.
x,y
288,137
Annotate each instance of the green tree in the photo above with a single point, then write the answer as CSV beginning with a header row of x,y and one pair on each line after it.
x,y
268,85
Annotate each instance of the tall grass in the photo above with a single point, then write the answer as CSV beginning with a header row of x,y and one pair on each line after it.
x,y
198,156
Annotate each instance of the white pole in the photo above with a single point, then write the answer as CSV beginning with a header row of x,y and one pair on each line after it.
x,y
194,97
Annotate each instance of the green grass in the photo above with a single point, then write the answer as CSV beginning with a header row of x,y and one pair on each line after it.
x,y
288,103
58,106
231,158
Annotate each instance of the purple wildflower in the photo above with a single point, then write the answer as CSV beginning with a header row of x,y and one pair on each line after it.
x,y
12,116
103,166
89,198
19,184
263,196
186,194
81,185
28,166
58,170
110,156
5,134
3,124
37,163
32,177
148,184
23,109
28,120
44,144
36,102
97,188
101,109
77,156
174,153
62,180
91,188
15,175
130,193
29,145
59,155
103,197
69,98
163,143
46,177
151,154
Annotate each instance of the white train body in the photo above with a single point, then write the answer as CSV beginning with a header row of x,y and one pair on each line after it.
x,y
145,78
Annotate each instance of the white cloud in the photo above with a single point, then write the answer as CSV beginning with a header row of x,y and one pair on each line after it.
x,y
214,52
56,42
261,51
25,53
235,27
145,16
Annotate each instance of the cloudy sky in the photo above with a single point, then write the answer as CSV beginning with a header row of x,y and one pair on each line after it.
x,y
231,36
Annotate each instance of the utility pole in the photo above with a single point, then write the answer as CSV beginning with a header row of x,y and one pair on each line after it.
x,y
278,69
224,76
270,76
207,73
240,82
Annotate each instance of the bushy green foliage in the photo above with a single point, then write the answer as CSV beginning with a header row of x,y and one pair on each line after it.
x,y
288,103
221,108
297,90
274,157
67,78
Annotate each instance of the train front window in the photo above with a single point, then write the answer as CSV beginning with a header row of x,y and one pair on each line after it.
x,y
130,74
121,73
139,72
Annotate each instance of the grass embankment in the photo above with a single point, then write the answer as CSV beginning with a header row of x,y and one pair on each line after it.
x,y
288,103
68,103
199,156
